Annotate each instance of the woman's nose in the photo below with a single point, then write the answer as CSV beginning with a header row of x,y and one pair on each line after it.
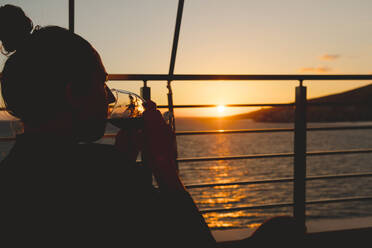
x,y
110,97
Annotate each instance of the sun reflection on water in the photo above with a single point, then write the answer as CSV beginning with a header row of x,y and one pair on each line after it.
x,y
223,197
222,171
225,220
229,196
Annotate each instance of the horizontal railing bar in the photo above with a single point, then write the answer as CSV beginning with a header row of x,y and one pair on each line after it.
x,y
230,105
339,176
269,130
345,199
281,180
339,128
275,155
352,151
247,77
208,77
263,105
337,200
202,159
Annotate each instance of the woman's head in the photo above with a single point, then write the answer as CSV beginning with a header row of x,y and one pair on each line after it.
x,y
50,71
15,26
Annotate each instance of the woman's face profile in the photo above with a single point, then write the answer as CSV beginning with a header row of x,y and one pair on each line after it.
x,y
91,116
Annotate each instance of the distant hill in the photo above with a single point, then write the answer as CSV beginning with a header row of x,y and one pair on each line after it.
x,y
352,105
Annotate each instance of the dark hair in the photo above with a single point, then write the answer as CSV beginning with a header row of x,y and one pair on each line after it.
x,y
15,27
43,62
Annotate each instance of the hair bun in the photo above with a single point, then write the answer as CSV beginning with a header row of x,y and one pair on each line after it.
x,y
15,27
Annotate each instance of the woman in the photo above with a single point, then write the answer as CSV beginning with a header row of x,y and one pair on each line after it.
x,y
57,187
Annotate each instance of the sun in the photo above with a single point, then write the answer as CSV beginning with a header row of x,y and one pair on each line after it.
x,y
221,108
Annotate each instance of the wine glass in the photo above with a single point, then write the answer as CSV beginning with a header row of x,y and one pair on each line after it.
x,y
127,111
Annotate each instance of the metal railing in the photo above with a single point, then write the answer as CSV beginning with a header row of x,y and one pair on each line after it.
x,y
300,129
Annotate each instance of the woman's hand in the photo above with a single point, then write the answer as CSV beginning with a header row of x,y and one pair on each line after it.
x,y
129,142
160,149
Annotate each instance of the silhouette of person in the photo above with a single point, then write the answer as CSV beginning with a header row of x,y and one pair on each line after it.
x,y
57,187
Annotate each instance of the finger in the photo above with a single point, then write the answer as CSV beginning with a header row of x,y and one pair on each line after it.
x,y
153,120
153,116
149,105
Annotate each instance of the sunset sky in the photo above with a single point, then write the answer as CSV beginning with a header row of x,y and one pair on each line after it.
x,y
223,37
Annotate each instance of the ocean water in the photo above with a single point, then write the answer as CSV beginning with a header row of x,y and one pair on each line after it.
x,y
274,168
267,168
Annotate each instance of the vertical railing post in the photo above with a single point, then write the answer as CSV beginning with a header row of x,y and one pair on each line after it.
x,y
172,120
146,91
146,94
173,61
71,15
299,190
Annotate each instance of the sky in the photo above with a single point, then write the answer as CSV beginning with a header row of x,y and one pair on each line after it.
x,y
222,37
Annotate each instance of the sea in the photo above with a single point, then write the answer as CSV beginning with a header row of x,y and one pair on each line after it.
x,y
229,171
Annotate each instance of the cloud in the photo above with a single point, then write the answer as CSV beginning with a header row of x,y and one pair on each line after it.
x,y
330,56
321,69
